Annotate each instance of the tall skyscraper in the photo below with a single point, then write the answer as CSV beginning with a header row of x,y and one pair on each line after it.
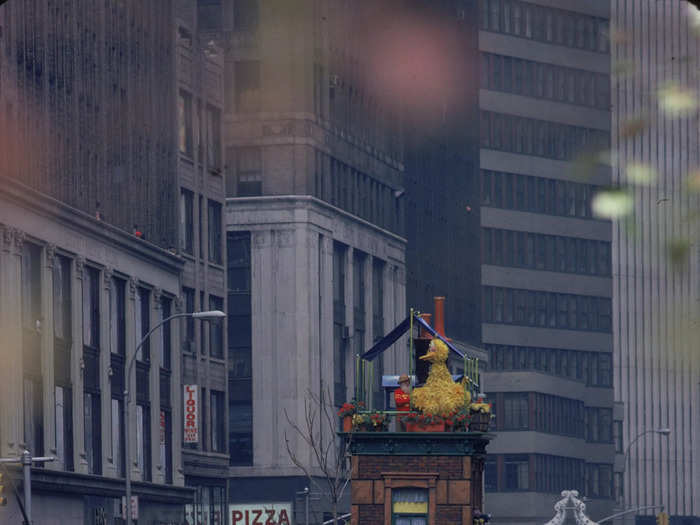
x,y
546,270
655,279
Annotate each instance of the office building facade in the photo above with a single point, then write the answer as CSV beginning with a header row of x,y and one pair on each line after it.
x,y
77,296
114,112
546,268
199,70
316,264
655,357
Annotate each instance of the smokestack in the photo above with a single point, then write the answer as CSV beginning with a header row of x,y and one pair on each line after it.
x,y
440,316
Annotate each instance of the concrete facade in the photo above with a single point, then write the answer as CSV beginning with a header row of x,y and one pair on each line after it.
x,y
292,254
655,295
534,214
51,255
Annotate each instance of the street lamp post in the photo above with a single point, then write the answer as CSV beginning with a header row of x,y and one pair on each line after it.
x,y
662,431
206,316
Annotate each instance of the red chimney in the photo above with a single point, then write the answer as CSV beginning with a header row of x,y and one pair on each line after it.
x,y
440,316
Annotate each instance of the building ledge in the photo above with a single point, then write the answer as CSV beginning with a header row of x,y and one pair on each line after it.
x,y
417,443
86,484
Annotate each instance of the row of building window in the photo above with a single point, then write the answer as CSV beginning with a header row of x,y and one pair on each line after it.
x,y
592,368
536,194
356,192
213,222
539,137
540,80
199,134
94,283
546,309
552,415
545,252
545,24
547,473
240,357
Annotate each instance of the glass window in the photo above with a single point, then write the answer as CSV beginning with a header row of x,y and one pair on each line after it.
x,y
215,227
143,322
62,300
166,344
409,506
93,435
248,163
515,405
187,221
63,404
185,123
491,473
117,317
494,15
486,188
247,86
216,329
213,138
517,472
118,435
218,440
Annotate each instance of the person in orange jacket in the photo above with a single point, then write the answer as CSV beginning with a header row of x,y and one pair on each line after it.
x,y
402,398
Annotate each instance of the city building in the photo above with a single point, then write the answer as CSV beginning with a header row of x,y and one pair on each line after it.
x,y
546,261
200,180
111,116
316,253
655,300
77,295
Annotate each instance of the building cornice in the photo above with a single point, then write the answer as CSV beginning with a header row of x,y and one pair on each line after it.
x,y
59,212
308,202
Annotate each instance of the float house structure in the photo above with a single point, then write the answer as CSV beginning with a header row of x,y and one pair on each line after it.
x,y
417,476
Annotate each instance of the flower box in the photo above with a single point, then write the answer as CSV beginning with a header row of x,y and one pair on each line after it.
x,y
417,427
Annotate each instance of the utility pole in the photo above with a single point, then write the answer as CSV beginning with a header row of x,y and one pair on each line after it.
x,y
26,460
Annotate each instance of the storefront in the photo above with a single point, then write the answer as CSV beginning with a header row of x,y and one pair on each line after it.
x,y
209,506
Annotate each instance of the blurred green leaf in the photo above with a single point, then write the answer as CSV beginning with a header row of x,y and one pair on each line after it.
x,y
633,127
677,100
678,251
623,67
612,204
693,181
694,18
639,173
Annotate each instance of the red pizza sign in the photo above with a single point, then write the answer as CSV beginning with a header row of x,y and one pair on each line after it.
x,y
261,514
191,414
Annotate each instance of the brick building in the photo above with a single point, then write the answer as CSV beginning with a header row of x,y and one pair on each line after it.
x,y
439,476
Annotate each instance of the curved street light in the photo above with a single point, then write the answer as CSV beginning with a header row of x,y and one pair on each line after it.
x,y
662,431
204,316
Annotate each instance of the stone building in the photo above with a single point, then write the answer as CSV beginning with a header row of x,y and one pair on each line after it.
x,y
77,295
114,110
316,260
431,479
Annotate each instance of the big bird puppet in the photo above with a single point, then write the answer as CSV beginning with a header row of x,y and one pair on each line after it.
x,y
440,395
